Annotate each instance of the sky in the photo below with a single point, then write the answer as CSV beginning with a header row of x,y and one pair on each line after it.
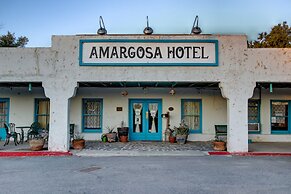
x,y
40,19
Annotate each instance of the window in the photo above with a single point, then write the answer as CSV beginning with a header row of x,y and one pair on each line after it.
x,y
191,114
279,116
42,112
254,115
4,112
92,115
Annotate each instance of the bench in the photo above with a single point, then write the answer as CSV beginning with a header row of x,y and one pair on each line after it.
x,y
220,130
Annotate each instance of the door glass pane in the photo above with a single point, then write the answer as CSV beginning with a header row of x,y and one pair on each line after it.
x,y
42,112
279,120
3,113
137,118
44,121
191,114
153,118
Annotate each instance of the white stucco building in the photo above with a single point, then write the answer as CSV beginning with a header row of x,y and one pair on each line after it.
x,y
96,82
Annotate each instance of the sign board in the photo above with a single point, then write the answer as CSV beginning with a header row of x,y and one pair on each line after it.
x,y
154,52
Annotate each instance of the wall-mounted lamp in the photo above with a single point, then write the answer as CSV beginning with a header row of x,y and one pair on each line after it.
x,y
145,90
195,28
101,30
172,92
124,93
29,87
148,30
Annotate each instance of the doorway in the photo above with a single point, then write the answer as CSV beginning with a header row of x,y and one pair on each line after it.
x,y
4,116
145,121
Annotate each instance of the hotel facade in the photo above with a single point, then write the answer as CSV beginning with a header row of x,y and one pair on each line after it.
x,y
149,81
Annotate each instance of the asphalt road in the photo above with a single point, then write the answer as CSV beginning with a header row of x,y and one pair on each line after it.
x,y
206,174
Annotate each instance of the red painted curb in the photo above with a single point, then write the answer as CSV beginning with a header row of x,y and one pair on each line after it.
x,y
261,154
222,153
37,153
249,154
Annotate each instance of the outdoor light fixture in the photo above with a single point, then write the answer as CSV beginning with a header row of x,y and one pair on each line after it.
x,y
195,28
29,87
145,90
172,92
148,30
101,30
124,93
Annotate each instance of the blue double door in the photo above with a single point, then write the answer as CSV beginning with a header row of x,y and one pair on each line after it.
x,y
145,120
4,116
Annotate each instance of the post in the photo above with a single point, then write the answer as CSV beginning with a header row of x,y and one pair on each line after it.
x,y
237,96
59,130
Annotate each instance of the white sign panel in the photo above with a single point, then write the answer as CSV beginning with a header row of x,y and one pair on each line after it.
x,y
149,52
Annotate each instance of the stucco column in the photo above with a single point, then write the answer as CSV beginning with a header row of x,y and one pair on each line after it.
x,y
59,94
237,95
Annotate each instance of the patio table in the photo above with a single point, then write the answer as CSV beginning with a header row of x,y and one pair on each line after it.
x,y
22,132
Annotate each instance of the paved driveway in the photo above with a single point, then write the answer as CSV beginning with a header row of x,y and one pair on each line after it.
x,y
206,174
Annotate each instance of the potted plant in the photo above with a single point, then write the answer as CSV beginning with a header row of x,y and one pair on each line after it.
x,y
111,135
103,138
78,142
172,135
219,144
182,133
122,132
36,143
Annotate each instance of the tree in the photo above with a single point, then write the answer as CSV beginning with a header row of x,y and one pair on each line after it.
x,y
279,37
10,40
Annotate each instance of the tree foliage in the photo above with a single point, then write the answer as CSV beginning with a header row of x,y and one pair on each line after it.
x,y
279,37
10,40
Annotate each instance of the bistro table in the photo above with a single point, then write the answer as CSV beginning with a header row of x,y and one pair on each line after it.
x,y
22,132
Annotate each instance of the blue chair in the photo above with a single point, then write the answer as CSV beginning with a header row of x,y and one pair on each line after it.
x,y
10,132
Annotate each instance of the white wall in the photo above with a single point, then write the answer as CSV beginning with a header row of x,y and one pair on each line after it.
x,y
239,69
21,104
266,97
213,107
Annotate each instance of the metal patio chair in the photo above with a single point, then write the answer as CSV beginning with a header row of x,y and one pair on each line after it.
x,y
72,131
34,131
10,132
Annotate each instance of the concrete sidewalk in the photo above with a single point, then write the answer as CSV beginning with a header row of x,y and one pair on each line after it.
x,y
273,147
143,148
101,149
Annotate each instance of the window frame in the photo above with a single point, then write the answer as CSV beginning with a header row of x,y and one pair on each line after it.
x,y
36,105
258,116
7,100
199,130
94,130
288,131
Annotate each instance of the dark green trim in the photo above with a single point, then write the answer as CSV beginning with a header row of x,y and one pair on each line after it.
x,y
280,132
199,130
81,41
92,130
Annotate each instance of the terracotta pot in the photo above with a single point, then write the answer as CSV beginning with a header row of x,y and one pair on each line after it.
x,y
78,144
123,138
219,145
36,144
172,139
